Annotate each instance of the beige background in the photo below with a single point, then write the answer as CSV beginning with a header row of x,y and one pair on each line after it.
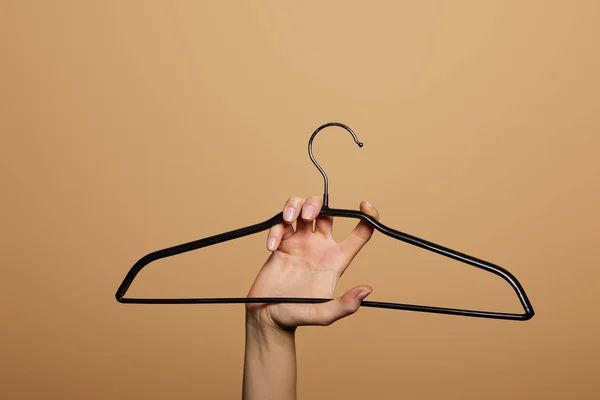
x,y
127,127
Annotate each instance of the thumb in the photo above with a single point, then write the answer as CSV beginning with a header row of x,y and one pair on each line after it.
x,y
361,234
329,312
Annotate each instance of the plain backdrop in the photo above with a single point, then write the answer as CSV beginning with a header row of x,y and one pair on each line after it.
x,y
131,126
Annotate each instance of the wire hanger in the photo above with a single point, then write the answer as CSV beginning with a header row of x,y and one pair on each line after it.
x,y
334,212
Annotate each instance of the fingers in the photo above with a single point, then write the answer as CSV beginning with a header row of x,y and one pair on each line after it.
x,y
299,210
331,311
302,211
310,209
278,233
361,234
292,208
292,211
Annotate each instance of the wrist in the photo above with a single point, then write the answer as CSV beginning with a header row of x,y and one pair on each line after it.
x,y
260,325
270,360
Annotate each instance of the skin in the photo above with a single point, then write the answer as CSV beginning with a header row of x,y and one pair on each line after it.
x,y
304,262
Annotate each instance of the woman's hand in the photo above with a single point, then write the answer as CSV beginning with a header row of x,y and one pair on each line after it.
x,y
307,262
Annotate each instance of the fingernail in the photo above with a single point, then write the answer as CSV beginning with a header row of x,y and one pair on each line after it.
x,y
307,212
289,214
271,243
363,294
369,204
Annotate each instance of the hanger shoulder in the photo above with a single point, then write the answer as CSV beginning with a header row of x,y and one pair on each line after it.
x,y
444,251
194,245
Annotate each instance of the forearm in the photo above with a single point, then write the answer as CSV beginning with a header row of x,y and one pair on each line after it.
x,y
269,363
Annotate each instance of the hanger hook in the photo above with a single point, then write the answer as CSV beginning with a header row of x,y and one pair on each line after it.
x,y
310,154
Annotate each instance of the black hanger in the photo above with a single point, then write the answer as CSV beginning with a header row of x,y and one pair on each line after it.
x,y
249,230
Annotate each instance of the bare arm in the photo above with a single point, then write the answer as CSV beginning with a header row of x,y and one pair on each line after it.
x,y
270,361
305,262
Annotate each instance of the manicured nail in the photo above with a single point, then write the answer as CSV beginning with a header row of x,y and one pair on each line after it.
x,y
308,212
271,243
363,294
289,214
